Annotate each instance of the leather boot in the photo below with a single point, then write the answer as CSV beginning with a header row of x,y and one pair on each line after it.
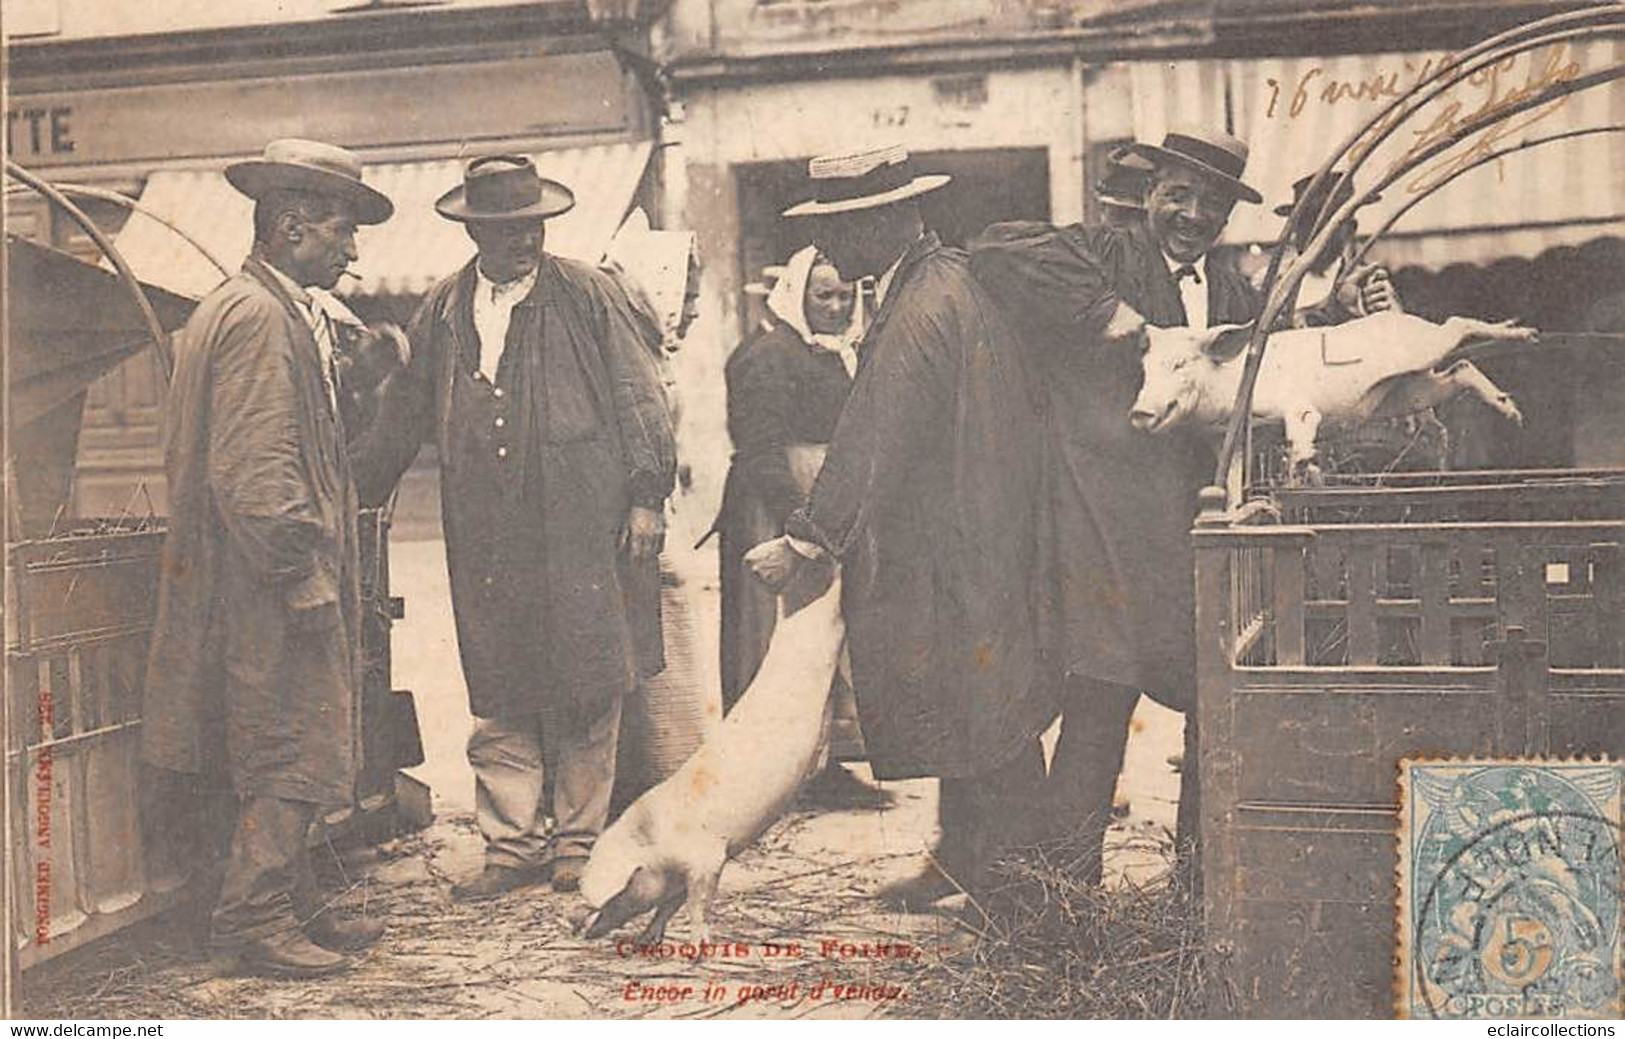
x,y
567,872
917,893
496,880
289,954
344,935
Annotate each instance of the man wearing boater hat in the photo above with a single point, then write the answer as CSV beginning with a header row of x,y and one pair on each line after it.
x,y
927,498
556,458
255,660
1122,501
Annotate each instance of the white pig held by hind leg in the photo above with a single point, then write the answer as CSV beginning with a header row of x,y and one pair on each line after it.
x,y
1465,375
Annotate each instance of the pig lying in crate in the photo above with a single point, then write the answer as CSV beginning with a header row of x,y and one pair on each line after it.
x,y
1385,365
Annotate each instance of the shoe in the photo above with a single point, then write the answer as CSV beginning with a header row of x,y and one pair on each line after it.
x,y
835,787
344,935
918,892
496,880
291,955
567,872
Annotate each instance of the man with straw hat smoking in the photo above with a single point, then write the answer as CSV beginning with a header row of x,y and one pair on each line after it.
x,y
556,459
1121,501
927,498
255,660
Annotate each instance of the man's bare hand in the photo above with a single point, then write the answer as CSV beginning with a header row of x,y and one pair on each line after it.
x,y
774,562
644,534
1377,292
1125,325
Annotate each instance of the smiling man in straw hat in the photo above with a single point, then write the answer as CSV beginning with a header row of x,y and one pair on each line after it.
x,y
556,458
927,498
256,650
1121,501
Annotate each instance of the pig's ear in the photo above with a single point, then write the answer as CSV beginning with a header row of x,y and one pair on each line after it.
x,y
1225,342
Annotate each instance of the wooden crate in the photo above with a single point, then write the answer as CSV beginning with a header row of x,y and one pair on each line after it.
x,y
1340,629
102,842
79,612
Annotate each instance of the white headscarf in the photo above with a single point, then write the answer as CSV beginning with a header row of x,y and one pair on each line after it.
x,y
788,303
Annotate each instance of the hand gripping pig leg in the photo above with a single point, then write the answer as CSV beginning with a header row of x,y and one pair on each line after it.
x,y
704,872
1464,375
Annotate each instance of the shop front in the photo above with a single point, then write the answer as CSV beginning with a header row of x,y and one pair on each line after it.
x,y
164,136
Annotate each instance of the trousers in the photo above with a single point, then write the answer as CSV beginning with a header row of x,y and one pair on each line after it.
x,y
985,815
269,885
532,766
1095,719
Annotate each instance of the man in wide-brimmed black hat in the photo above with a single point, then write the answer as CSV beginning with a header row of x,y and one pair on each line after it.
x,y
1332,291
1122,501
556,458
255,658
928,498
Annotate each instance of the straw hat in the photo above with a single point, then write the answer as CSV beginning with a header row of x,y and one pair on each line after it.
x,y
863,180
1217,156
292,164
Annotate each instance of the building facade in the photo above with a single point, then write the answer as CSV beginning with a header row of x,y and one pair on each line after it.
x,y
155,103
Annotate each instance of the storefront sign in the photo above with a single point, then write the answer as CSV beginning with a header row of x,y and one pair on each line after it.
x,y
33,131
556,95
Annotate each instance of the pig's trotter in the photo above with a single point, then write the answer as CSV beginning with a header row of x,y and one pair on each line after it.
x,y
702,888
1467,328
655,931
1301,430
1465,375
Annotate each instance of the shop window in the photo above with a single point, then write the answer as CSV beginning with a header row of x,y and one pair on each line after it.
x,y
988,186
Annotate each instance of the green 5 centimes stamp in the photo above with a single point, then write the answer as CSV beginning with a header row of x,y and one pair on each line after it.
x,y
1509,889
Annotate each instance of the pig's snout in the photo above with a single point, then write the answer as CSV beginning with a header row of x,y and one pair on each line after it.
x,y
1148,420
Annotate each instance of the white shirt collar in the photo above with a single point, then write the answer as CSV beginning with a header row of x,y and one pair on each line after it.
x,y
516,289
884,284
1200,264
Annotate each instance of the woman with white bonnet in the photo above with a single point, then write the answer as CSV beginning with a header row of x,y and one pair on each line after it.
x,y
786,388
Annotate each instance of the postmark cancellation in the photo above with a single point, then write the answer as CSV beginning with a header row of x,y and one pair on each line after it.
x,y
1509,889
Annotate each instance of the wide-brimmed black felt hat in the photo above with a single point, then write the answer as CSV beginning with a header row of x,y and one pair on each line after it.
x,y
1336,186
504,187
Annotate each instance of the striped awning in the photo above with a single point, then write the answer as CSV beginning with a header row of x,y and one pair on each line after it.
x,y
404,256
1295,112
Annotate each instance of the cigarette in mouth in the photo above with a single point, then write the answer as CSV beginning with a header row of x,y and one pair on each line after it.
x,y
350,272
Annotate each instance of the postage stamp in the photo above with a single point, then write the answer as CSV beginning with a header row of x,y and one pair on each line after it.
x,y
1509,889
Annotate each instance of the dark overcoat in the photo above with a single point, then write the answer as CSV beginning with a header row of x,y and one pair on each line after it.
x,y
255,658
1121,501
928,497
551,613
